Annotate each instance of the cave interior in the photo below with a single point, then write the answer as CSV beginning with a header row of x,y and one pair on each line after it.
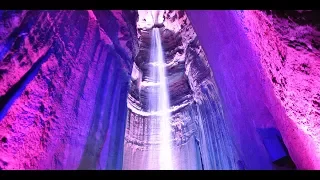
x,y
159,89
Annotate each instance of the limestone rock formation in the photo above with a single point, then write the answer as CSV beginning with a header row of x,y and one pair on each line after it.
x,y
75,85
266,65
288,45
64,79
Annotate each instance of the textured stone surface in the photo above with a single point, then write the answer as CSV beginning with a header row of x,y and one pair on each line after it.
x,y
64,79
288,46
266,65
299,30
235,69
65,76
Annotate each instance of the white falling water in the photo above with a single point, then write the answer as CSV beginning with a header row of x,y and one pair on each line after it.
x,y
162,101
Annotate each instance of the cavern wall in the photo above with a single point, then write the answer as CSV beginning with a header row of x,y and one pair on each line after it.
x,y
235,68
64,78
290,55
266,65
200,136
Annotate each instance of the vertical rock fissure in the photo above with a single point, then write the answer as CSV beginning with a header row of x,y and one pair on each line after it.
x,y
15,91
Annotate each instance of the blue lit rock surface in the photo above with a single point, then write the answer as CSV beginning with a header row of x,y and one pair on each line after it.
x,y
235,68
200,138
64,78
266,65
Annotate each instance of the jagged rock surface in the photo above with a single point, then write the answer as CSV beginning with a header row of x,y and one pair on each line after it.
x,y
288,46
64,79
266,65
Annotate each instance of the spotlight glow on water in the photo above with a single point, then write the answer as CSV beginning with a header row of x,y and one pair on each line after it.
x,y
158,73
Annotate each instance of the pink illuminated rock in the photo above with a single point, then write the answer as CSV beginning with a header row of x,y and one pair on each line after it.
x,y
74,88
289,53
64,79
266,65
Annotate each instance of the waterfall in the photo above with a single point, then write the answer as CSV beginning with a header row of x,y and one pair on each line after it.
x,y
159,101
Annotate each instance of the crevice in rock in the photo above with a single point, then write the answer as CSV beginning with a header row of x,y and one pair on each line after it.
x,y
15,91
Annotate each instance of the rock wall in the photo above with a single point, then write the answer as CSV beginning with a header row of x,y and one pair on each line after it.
x,y
235,68
266,65
64,79
288,47
65,75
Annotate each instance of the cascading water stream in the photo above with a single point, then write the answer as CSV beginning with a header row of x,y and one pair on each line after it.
x,y
160,95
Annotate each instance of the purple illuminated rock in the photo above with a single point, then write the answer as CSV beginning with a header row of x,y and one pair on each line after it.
x,y
266,65
64,79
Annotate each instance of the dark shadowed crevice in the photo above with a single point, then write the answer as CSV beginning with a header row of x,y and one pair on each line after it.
x,y
86,70
15,91
89,157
